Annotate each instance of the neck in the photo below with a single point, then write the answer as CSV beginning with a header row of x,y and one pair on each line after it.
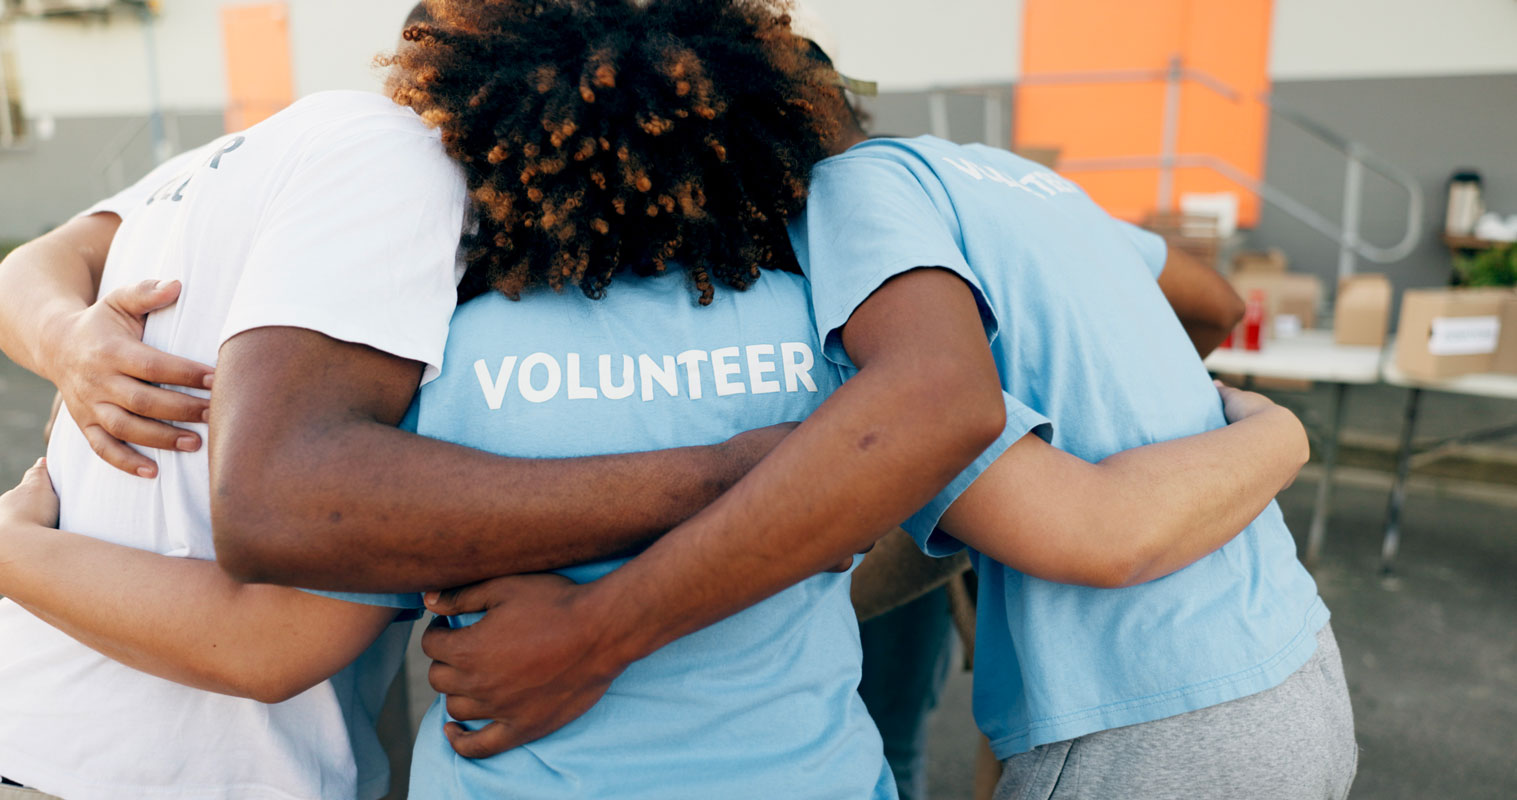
x,y
850,137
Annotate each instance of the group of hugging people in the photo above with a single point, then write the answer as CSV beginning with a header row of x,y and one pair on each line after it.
x,y
612,315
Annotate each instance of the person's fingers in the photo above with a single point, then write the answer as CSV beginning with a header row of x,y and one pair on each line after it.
x,y
464,599
136,430
490,740
112,451
147,400
33,499
36,479
463,707
443,644
445,678
145,297
155,366
842,566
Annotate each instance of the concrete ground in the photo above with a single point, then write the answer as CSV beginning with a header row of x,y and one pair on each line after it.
x,y
1431,656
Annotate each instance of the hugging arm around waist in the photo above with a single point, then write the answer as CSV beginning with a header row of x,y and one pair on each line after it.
x,y
1137,515
313,485
181,619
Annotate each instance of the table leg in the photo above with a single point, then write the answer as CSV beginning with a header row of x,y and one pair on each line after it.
x,y
1324,507
1392,541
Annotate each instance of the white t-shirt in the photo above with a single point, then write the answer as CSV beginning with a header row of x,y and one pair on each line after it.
x,y
341,215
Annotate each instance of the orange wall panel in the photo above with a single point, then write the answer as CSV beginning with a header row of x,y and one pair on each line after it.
x,y
1227,39
260,73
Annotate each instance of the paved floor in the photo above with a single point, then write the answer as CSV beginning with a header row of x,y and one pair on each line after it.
x,y
1431,657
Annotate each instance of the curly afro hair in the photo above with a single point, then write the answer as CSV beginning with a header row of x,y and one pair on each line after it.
x,y
607,135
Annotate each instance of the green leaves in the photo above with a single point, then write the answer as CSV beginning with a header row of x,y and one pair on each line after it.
x,y
1494,267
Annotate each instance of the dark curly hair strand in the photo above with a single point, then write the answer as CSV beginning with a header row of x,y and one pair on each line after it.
x,y
602,135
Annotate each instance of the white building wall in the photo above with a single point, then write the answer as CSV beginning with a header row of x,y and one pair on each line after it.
x,y
910,45
1323,39
333,42
95,67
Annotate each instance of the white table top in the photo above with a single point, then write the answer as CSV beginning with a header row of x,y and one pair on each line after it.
x,y
1311,356
1484,384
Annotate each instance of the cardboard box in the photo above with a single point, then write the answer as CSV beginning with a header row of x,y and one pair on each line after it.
x,y
1272,261
1445,333
1505,361
1290,300
1362,310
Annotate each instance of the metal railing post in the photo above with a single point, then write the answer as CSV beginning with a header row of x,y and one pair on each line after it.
x,y
1353,201
995,111
7,129
937,113
1171,141
161,147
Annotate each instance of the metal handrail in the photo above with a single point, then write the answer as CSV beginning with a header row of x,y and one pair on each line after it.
x,y
1346,233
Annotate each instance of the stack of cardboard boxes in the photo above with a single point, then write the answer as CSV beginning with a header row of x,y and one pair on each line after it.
x,y
1290,298
1445,333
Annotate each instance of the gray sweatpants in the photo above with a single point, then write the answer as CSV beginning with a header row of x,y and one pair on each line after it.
x,y
1292,742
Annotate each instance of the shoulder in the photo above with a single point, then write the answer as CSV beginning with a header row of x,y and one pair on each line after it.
x,y
345,105
911,155
331,121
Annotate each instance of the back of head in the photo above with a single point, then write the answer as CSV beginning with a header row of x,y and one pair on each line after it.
x,y
601,136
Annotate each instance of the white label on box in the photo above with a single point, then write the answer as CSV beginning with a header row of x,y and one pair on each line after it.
x,y
1287,326
1464,336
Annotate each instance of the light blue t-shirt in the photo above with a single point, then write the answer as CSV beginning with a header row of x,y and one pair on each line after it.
x,y
762,704
1085,340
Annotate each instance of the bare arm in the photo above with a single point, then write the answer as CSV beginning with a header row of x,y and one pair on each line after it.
x,y
312,485
181,619
51,323
1137,515
1203,300
45,281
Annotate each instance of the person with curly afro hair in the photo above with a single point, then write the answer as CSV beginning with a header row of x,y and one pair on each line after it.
x,y
629,285
608,137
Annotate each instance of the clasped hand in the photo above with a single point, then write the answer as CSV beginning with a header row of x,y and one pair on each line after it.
x,y
106,376
539,659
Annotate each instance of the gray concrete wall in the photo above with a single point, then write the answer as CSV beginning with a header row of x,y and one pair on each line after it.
x,y
44,183
1427,126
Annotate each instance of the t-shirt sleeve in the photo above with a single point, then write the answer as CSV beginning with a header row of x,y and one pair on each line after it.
x,y
1151,246
408,601
868,220
359,244
136,196
923,525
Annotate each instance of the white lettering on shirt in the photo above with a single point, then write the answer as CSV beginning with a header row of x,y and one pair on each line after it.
x,y
757,369
1041,184
547,392
540,377
721,368
692,359
665,374
966,167
613,391
798,360
578,391
495,389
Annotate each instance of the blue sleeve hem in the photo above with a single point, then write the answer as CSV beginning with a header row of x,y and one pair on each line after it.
x,y
831,321
409,603
923,525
